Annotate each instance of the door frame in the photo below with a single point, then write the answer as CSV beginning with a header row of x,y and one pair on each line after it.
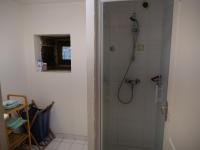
x,y
167,142
3,138
93,45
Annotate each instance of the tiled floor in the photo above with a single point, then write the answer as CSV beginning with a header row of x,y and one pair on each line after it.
x,y
67,144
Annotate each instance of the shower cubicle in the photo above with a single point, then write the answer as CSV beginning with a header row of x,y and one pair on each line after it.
x,y
136,36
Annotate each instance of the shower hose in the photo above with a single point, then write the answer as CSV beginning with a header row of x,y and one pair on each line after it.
x,y
122,101
121,85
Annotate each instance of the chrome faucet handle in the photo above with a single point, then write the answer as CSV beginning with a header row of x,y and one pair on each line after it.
x,y
132,82
157,80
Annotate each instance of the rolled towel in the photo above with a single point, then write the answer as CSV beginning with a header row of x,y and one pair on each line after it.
x,y
9,104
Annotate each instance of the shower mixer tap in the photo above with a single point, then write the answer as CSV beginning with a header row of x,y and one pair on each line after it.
x,y
157,79
132,82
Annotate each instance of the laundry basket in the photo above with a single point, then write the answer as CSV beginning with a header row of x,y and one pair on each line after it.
x,y
40,124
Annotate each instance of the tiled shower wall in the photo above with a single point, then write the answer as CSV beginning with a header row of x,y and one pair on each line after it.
x,y
134,124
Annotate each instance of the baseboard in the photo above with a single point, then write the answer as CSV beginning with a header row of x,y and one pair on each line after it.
x,y
71,136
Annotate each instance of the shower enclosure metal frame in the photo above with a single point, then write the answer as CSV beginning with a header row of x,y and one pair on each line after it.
x,y
99,71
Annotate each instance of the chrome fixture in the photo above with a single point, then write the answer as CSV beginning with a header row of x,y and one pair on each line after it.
x,y
132,83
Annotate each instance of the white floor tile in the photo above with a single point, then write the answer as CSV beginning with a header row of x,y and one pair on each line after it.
x,y
64,146
68,140
80,142
67,144
53,145
59,135
77,146
58,139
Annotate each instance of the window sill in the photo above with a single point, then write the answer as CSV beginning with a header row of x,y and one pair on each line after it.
x,y
67,71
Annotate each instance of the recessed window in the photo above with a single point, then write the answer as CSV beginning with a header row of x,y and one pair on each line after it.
x,y
55,52
66,53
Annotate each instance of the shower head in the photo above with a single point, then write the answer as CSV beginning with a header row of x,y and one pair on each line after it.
x,y
133,19
135,23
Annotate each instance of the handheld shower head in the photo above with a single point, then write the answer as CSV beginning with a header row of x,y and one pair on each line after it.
x,y
132,18
135,23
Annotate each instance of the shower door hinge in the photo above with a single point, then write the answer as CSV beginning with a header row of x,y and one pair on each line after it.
x,y
164,110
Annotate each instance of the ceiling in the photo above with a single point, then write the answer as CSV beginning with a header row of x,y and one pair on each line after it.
x,y
45,1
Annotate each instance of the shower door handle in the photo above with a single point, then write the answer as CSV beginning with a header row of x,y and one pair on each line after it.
x,y
164,110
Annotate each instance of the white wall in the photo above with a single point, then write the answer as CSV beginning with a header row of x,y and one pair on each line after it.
x,y
12,67
67,89
19,23
182,129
